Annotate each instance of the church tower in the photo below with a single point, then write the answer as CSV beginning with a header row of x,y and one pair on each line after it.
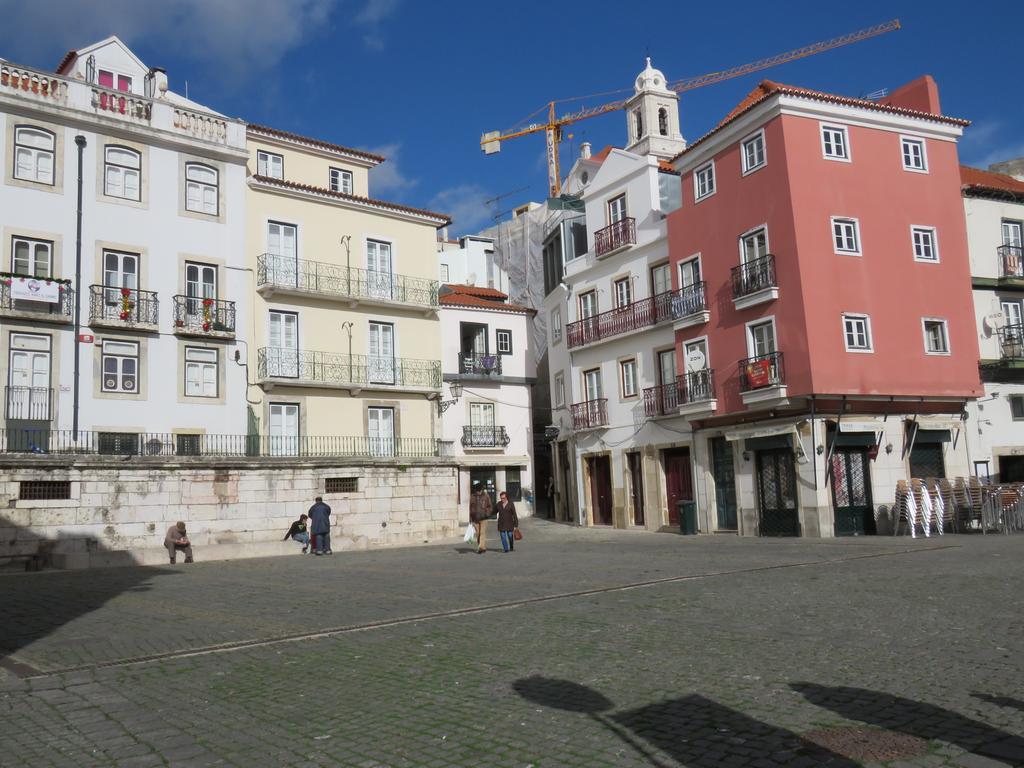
x,y
652,116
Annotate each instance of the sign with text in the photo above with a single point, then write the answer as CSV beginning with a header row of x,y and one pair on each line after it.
x,y
759,373
31,289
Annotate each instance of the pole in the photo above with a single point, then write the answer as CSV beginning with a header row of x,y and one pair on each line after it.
x,y
80,143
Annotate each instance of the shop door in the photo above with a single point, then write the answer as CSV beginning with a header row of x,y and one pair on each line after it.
x,y
563,464
851,492
678,481
776,493
926,461
601,488
725,483
485,477
636,486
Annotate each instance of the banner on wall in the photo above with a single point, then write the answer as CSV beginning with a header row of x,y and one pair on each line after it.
x,y
31,289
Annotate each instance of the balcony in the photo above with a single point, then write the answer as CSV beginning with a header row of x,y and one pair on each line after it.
x,y
28,403
590,414
662,400
754,282
615,237
1011,262
763,380
1011,342
329,370
689,306
691,394
212,318
125,308
46,300
484,437
298,277
639,315
479,365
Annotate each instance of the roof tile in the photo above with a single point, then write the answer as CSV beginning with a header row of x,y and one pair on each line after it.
x,y
264,129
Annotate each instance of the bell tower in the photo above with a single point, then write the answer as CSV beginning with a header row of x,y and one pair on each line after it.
x,y
652,117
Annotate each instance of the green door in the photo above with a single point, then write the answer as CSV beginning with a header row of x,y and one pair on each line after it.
x,y
776,492
851,492
725,483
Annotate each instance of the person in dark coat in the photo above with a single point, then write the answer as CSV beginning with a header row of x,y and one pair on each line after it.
x,y
177,541
299,533
508,521
320,527
480,509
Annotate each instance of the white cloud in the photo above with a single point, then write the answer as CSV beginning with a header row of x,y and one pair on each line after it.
x,y
465,204
987,142
373,14
388,178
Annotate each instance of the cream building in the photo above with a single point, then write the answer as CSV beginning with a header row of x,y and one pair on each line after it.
x,y
347,342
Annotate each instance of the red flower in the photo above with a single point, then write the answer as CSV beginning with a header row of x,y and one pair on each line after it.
x,y
126,291
207,302
206,326
124,315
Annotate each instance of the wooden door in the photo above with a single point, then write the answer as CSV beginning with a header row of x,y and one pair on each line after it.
x,y
636,486
601,489
678,481
725,483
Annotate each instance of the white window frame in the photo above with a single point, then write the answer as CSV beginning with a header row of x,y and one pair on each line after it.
x,y
847,156
933,234
843,220
945,335
865,331
556,325
624,392
619,294
33,266
686,265
617,209
339,180
746,236
118,387
698,174
115,78
904,140
1010,400
746,166
122,173
749,328
445,273
503,334
559,383
264,164
586,387
198,359
202,187
35,153
667,267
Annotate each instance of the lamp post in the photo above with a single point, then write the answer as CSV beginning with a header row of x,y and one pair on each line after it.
x,y
456,390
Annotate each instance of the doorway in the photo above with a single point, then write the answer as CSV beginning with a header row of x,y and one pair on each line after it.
x,y
851,492
725,483
1011,469
566,470
600,469
776,492
678,481
634,462
486,477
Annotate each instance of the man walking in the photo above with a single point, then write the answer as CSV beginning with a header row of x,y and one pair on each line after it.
x,y
480,509
320,527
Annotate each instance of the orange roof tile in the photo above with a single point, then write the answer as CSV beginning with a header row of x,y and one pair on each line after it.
x,y
601,156
475,290
478,302
267,130
981,182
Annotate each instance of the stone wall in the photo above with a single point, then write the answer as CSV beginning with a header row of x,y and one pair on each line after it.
x,y
120,507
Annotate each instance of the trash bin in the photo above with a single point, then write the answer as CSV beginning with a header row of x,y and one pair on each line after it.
x,y
687,517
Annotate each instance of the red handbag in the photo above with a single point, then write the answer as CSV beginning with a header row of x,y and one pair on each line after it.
x,y
517,535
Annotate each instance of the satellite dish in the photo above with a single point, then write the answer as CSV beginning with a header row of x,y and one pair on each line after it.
x,y
696,360
995,320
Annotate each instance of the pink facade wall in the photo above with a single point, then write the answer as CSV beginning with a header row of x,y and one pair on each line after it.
x,y
795,195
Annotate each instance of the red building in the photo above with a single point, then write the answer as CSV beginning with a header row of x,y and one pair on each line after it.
x,y
830,234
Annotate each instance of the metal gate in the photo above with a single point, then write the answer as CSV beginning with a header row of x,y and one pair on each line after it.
x,y
776,493
851,492
725,483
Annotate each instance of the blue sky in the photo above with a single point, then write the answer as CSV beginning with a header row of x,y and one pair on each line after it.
x,y
420,80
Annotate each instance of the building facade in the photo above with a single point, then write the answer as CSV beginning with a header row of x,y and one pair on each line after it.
x,y
159,300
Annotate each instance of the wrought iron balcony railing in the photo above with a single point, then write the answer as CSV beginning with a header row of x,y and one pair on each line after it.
x,y
670,305
1011,261
355,370
199,316
697,386
484,437
753,276
28,403
479,365
62,309
762,371
662,400
1011,342
283,272
614,236
590,414
130,306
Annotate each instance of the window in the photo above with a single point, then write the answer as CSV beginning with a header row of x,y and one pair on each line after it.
x,y
341,485
556,324
514,483
188,444
623,293
925,244
689,273
704,181
201,188
1017,406
592,384
762,338
503,338
663,121
627,377
444,273
381,431
34,154
1012,314
913,155
38,490
857,333
638,119
120,270
1012,233
117,443
754,245
284,429
108,79
341,181
845,235
33,258
270,164
753,152
588,304
559,390
616,209
936,338
200,372
661,279
834,144
120,364
122,169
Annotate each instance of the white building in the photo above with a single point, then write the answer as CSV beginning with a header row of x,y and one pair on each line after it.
x,y
471,261
994,205
486,350
162,226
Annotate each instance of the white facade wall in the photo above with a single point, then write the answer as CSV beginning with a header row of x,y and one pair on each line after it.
x,y
472,262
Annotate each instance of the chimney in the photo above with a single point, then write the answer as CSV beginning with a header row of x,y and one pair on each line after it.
x,y
585,150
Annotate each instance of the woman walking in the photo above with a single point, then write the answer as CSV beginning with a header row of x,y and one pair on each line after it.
x,y
508,522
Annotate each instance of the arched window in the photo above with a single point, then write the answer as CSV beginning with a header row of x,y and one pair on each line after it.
x,y
201,188
122,172
34,154
663,121
638,116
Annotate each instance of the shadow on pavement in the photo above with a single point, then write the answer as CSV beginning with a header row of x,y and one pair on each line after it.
x,y
1000,701
917,718
692,730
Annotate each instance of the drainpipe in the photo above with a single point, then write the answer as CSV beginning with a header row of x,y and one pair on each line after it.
x,y
346,240
347,325
80,143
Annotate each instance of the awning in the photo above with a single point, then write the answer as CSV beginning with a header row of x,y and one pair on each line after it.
x,y
862,424
938,422
752,433
932,436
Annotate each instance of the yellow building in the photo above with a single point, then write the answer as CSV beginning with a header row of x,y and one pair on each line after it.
x,y
346,348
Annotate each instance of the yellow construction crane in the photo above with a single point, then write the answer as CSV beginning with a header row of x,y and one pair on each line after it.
x,y
490,142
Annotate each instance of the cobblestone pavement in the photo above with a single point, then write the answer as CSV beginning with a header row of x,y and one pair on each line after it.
x,y
729,652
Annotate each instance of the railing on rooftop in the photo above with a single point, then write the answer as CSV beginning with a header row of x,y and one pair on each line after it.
x,y
753,276
615,236
343,369
1011,261
670,305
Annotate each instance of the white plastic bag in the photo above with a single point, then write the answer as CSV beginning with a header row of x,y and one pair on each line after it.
x,y
470,535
